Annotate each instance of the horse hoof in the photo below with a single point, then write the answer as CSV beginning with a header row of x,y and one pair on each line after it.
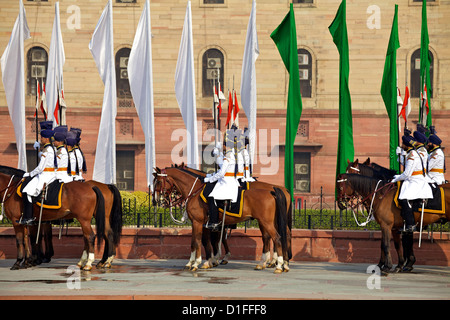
x,y
194,269
271,265
100,265
107,265
278,271
46,260
16,266
397,270
259,267
205,266
408,269
87,268
223,262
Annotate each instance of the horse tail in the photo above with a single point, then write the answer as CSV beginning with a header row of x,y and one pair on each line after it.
x,y
290,213
281,221
115,218
99,215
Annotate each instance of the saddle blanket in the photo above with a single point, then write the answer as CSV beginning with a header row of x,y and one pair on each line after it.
x,y
233,209
53,196
435,205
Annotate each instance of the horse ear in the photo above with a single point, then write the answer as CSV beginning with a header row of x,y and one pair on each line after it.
x,y
367,162
356,162
182,165
158,170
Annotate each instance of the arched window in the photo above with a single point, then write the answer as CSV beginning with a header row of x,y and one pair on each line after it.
x,y
305,70
125,99
212,63
415,85
37,60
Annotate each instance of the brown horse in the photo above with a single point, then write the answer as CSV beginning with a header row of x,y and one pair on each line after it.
x,y
265,258
268,207
387,215
78,200
113,226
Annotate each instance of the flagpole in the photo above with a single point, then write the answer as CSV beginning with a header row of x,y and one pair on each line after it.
x,y
37,121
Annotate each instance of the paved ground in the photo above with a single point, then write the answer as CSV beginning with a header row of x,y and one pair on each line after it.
x,y
165,279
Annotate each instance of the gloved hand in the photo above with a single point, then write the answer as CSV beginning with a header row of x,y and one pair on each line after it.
x,y
395,178
26,174
206,179
36,145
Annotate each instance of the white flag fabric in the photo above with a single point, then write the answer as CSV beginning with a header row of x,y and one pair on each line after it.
x,y
56,60
248,79
102,49
12,64
140,75
185,89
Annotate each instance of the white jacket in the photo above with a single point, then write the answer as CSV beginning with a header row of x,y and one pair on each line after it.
x,y
227,186
436,161
43,173
415,184
62,159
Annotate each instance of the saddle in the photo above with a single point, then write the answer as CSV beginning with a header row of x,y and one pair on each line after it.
x,y
233,209
53,194
435,205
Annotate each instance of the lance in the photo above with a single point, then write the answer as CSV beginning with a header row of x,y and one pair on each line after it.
x,y
215,120
37,121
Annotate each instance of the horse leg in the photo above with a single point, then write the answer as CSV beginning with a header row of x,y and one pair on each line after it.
x,y
20,236
396,235
265,258
110,248
385,249
196,253
227,250
270,229
48,238
407,241
207,239
88,255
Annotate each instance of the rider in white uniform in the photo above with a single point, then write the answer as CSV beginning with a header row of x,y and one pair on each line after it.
x,y
227,186
79,155
64,172
415,185
436,159
44,173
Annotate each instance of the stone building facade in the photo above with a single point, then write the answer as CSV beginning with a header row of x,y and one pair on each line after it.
x,y
219,30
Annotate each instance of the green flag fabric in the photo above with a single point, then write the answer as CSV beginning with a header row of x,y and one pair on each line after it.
x,y
346,151
389,91
425,61
285,38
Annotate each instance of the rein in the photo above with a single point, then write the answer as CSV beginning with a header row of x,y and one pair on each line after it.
x,y
363,201
6,196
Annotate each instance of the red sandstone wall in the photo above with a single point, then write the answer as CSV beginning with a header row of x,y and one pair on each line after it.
x,y
308,245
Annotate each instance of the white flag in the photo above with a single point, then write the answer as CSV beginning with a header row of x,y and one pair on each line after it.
x,y
185,89
248,79
56,60
140,75
102,49
12,63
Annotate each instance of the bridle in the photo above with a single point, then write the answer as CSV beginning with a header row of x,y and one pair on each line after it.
x,y
355,199
170,194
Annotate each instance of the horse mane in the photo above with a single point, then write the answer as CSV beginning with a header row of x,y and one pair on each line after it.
x,y
11,171
363,184
193,174
376,171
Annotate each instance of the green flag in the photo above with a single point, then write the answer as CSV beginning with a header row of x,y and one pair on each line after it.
x,y
285,38
346,151
425,61
389,91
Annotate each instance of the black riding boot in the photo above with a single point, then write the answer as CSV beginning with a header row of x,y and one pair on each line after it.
x,y
408,215
27,218
213,221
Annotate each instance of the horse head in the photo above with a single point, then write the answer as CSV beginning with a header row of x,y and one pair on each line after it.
x,y
353,167
345,191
